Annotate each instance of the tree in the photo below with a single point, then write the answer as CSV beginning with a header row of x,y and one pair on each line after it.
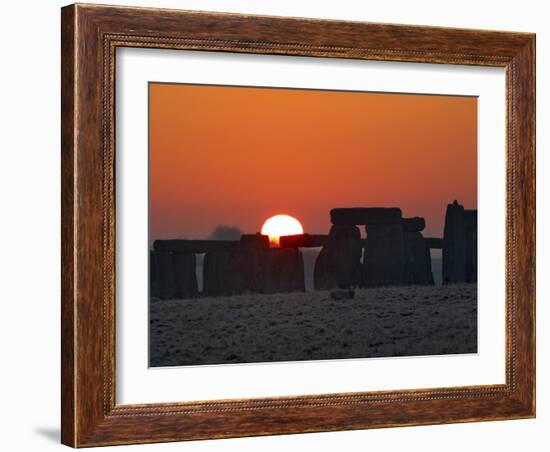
x,y
225,232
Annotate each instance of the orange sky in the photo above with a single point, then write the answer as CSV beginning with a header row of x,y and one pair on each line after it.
x,y
235,156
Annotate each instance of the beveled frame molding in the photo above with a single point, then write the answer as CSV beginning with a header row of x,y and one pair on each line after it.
x,y
90,35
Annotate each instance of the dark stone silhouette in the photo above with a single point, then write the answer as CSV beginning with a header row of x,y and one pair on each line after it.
x,y
215,270
454,244
385,257
154,275
194,246
384,260
434,242
252,267
459,245
284,270
240,269
177,276
166,279
394,253
256,241
303,240
246,272
353,216
471,251
184,275
418,262
339,262
415,224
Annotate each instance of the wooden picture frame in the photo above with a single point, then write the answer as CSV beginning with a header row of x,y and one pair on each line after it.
x,y
90,36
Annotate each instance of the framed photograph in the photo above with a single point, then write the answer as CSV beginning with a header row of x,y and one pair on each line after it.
x,y
280,225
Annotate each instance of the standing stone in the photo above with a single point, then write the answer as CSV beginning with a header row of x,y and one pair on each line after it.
x,y
384,260
418,263
324,272
165,275
215,268
246,270
185,275
239,270
284,271
154,285
339,262
474,256
248,263
175,275
455,245
470,220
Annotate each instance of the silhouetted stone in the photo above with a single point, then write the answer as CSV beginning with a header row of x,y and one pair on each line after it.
x,y
339,262
239,269
215,269
258,241
324,272
473,268
284,270
173,275
184,275
418,268
338,232
247,269
415,224
384,259
460,245
303,240
470,219
253,267
154,283
165,275
194,246
434,242
365,215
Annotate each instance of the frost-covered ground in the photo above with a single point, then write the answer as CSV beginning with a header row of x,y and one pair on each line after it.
x,y
390,321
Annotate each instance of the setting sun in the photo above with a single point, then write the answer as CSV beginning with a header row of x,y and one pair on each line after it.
x,y
280,225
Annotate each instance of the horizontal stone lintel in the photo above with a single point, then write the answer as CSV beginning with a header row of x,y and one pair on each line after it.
x,y
288,241
351,216
194,246
206,246
303,240
414,224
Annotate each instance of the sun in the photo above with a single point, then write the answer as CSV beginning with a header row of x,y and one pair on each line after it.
x,y
280,225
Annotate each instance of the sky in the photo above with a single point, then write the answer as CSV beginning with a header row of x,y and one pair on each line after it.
x,y
237,155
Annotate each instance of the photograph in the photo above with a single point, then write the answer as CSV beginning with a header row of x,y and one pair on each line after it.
x,y
268,223
293,224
